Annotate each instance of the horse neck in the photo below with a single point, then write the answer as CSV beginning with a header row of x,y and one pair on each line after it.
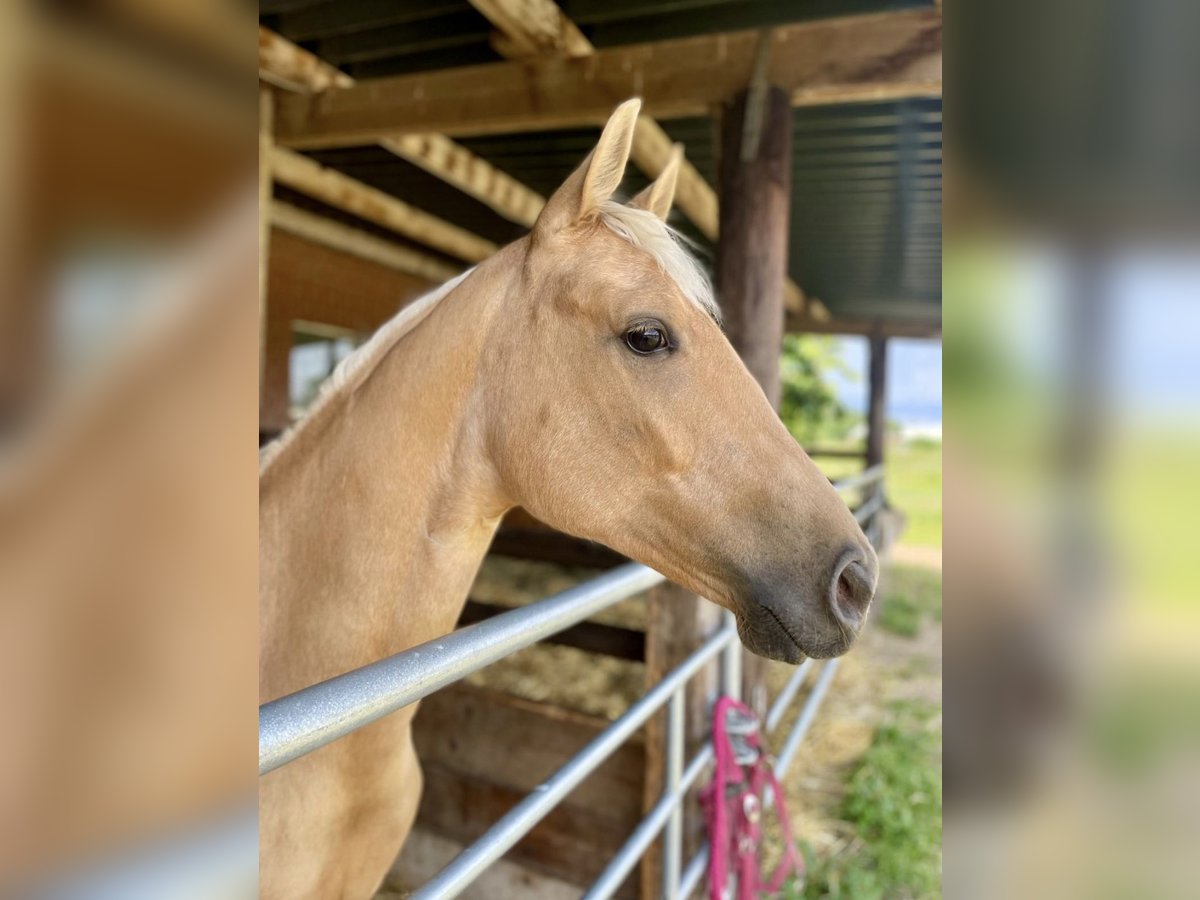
x,y
375,519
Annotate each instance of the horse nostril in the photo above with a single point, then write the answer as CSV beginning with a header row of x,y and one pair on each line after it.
x,y
852,591
845,592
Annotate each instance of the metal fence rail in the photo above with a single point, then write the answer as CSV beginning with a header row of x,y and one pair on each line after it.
x,y
310,718
301,722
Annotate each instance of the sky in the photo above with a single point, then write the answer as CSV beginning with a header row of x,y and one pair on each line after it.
x,y
914,379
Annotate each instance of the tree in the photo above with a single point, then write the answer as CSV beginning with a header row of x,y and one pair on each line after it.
x,y
809,405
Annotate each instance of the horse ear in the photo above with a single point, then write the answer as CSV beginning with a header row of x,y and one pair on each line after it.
x,y
597,178
658,195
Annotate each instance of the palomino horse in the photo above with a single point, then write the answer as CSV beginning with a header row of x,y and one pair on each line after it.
x,y
580,373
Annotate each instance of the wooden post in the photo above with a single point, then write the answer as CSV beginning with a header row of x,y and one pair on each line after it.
x,y
876,401
754,172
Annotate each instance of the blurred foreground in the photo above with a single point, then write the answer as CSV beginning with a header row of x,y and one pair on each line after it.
x,y
1072,373
128,371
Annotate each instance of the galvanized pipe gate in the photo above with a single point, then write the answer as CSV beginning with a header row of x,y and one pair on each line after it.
x,y
301,722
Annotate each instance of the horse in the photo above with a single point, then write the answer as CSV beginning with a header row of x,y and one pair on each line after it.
x,y
581,373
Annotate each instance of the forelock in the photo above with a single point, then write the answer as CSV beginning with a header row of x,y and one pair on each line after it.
x,y
646,231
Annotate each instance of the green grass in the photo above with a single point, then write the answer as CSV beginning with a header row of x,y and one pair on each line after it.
x,y
900,616
913,474
894,803
910,595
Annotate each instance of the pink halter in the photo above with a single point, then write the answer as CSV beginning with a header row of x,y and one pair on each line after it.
x,y
733,806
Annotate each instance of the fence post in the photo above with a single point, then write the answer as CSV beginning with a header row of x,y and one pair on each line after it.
x,y
877,400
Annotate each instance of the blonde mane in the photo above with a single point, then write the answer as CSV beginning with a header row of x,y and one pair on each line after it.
x,y
639,227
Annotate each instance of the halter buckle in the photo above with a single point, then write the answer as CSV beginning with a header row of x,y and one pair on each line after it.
x,y
740,723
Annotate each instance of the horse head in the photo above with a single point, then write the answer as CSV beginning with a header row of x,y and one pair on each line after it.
x,y
628,418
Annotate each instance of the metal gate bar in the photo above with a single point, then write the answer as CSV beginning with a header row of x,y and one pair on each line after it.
x,y
694,872
673,839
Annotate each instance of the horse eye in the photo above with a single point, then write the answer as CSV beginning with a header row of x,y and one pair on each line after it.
x,y
647,337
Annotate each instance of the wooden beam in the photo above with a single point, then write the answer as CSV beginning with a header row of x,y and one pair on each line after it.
x,y
829,59
476,177
282,62
357,242
912,329
343,192
533,28
824,95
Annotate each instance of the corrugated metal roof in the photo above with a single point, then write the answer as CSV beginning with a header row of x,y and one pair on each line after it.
x,y
866,178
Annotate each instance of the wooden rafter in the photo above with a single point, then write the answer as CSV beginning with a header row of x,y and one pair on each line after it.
x,y
345,193
528,29
474,176
355,241
820,61
284,64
